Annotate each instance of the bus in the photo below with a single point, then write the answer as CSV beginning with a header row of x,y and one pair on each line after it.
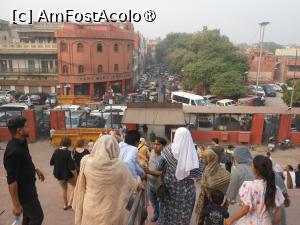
x,y
187,98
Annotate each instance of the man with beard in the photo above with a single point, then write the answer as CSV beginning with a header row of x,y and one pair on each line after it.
x,y
21,174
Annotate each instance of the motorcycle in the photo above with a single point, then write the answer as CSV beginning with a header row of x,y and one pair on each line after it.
x,y
286,144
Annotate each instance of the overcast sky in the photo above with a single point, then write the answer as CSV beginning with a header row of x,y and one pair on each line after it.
x,y
238,19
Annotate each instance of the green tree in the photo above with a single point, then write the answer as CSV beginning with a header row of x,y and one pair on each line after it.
x,y
272,46
202,57
287,94
170,43
229,84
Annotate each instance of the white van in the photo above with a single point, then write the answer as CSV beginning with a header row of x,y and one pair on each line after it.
x,y
225,102
187,98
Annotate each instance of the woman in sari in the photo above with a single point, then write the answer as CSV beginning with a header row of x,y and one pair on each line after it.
x,y
215,177
180,166
103,187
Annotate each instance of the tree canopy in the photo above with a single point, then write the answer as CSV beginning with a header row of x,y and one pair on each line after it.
x,y
202,57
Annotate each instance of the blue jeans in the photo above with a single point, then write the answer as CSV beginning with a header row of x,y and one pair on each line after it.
x,y
154,200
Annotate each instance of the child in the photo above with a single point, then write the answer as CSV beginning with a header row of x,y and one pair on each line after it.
x,y
259,196
214,213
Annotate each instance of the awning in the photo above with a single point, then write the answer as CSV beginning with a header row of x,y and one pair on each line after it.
x,y
154,116
240,110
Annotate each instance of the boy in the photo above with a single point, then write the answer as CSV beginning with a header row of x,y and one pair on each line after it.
x,y
214,213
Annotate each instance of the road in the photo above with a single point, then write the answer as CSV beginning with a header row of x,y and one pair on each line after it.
x,y
275,101
49,190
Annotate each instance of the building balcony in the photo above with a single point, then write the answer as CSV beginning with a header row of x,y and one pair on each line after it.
x,y
28,71
28,48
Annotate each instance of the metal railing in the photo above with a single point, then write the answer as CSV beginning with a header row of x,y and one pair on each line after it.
x,y
29,70
22,45
138,209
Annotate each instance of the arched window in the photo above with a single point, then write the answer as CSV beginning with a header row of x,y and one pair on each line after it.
x,y
63,47
65,69
100,68
128,47
116,47
79,47
116,67
128,66
80,69
99,47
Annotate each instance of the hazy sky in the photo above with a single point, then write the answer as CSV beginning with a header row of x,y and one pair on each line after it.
x,y
237,19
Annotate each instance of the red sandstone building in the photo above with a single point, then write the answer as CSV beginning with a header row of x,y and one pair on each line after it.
x,y
93,59
288,64
268,72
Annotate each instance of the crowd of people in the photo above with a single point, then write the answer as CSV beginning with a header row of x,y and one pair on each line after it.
x,y
104,175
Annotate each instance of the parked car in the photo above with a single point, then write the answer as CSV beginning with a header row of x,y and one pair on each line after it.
x,y
113,121
276,87
74,119
225,102
259,91
92,121
4,97
38,98
4,117
14,107
210,99
269,90
109,110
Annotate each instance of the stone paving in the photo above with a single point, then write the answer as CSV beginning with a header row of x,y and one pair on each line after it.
x,y
49,190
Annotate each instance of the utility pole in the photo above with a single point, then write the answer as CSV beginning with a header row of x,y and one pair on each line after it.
x,y
261,37
293,91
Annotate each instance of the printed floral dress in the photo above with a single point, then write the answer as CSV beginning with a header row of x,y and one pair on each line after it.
x,y
252,194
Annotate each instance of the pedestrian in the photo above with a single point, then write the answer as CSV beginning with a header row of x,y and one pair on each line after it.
x,y
242,172
297,175
78,153
214,212
268,154
104,186
228,155
290,177
64,170
90,145
143,154
154,177
129,153
215,177
259,197
180,166
21,173
218,149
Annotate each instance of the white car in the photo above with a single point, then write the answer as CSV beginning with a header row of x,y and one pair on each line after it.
x,y
72,108
226,102
109,110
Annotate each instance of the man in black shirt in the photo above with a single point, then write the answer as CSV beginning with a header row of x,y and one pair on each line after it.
x,y
21,174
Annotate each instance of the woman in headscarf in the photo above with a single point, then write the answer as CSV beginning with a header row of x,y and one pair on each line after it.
x,y
104,186
242,171
180,167
215,177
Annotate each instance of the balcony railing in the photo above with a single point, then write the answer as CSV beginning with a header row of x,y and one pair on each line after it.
x,y
52,46
28,71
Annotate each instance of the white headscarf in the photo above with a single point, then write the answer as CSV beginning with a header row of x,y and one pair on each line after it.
x,y
184,151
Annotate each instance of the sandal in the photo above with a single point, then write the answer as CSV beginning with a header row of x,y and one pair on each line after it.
x,y
67,207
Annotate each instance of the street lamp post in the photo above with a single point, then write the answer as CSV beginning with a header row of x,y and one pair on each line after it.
x,y
293,91
261,37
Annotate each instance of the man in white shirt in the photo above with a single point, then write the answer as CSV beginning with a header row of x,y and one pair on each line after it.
x,y
129,153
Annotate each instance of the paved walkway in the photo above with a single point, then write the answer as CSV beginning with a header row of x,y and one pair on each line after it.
x,y
49,190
